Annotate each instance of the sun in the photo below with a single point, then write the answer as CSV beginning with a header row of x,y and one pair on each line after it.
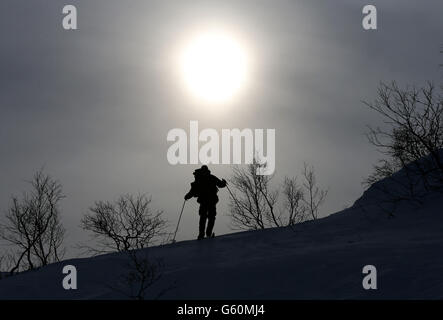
x,y
214,66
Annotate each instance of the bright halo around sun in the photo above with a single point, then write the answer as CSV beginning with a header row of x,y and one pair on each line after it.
x,y
214,66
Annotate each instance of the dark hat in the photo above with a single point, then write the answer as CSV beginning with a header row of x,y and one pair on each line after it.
x,y
203,170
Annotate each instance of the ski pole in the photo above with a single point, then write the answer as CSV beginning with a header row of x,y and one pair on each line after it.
x,y
175,233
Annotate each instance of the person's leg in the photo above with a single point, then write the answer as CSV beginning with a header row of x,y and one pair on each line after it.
x,y
212,212
203,212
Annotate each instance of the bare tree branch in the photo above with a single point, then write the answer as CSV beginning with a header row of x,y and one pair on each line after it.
x,y
314,196
294,196
33,224
414,131
127,224
252,200
255,203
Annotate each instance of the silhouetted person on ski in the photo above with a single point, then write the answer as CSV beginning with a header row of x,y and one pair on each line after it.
x,y
205,188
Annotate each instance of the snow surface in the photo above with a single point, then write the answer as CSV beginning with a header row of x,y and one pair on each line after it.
x,y
320,259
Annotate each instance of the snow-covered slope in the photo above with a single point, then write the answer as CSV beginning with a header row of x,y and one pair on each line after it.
x,y
320,259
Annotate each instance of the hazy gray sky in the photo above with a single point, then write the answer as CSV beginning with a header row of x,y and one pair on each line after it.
x,y
94,105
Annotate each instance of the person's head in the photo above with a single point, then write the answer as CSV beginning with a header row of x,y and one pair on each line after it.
x,y
201,171
204,169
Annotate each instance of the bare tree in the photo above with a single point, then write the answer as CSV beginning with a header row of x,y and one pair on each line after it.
x,y
383,169
413,133
314,196
141,273
252,199
254,203
294,205
128,223
33,224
